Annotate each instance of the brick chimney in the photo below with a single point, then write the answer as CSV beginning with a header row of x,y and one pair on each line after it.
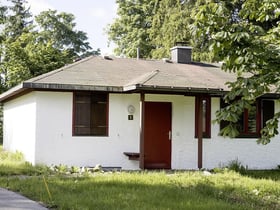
x,y
181,54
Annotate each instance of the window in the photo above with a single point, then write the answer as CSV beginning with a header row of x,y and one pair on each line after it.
x,y
206,116
90,114
252,121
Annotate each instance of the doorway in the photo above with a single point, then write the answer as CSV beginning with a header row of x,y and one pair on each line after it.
x,y
157,135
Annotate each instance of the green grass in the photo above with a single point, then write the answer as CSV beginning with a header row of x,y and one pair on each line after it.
x,y
150,190
144,190
14,164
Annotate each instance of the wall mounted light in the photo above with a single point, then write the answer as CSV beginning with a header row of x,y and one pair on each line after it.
x,y
131,109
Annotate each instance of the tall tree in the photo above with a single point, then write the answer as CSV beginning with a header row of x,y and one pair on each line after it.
x,y
131,29
31,56
170,25
60,28
18,19
245,36
154,26
48,43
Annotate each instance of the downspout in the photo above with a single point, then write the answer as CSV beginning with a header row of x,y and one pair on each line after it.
x,y
200,132
142,121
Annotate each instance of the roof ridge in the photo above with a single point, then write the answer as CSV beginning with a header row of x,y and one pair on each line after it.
x,y
42,76
143,78
140,80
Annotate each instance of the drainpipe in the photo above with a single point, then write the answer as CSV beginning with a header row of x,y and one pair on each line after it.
x,y
142,120
200,132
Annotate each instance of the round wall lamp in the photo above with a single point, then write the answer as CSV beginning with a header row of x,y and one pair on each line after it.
x,y
131,109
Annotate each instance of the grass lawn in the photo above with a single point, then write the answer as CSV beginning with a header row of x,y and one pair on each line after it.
x,y
143,190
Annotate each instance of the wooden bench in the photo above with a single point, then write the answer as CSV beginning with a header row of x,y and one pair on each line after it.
x,y
132,155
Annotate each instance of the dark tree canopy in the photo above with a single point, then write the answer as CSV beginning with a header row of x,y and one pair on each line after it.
x,y
18,19
170,26
33,46
131,29
60,27
154,26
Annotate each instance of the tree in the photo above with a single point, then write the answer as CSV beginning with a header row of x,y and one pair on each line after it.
x,y
48,43
18,19
170,25
154,27
245,35
131,29
60,28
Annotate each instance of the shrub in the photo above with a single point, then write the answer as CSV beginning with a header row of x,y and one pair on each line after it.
x,y
236,165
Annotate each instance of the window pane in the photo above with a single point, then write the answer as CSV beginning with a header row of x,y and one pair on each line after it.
x,y
82,114
99,118
240,124
268,111
223,123
204,115
252,120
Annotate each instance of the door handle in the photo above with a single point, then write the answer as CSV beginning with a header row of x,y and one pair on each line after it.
x,y
169,135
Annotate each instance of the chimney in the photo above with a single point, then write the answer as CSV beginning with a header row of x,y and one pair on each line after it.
x,y
181,54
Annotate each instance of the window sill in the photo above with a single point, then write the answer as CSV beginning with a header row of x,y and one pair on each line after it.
x,y
247,136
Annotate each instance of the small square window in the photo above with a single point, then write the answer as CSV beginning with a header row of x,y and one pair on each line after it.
x,y
90,114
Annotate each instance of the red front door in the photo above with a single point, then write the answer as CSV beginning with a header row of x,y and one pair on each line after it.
x,y
157,135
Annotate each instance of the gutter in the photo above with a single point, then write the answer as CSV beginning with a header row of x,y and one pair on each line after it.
x,y
71,87
171,89
29,86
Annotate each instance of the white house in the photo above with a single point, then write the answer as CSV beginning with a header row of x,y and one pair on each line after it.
x,y
133,114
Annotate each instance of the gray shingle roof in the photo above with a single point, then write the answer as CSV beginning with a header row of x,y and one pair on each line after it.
x,y
122,75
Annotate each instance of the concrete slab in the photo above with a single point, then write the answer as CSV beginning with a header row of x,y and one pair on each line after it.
x,y
12,201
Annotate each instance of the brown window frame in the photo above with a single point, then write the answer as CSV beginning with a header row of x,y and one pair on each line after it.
x,y
207,117
260,119
98,102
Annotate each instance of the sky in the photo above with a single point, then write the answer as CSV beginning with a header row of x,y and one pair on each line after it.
x,y
91,16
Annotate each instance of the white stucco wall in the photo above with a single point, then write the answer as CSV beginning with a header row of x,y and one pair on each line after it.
x,y
19,126
56,145
47,117
219,151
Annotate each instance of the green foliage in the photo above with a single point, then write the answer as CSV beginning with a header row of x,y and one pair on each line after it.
x,y
33,46
29,56
8,157
131,29
169,25
236,165
270,130
233,165
245,36
18,20
154,27
60,29
14,164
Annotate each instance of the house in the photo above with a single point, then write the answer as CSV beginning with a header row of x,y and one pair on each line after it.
x,y
133,114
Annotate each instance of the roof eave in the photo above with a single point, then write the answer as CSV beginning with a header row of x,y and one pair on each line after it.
x,y
29,86
17,90
71,87
171,89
